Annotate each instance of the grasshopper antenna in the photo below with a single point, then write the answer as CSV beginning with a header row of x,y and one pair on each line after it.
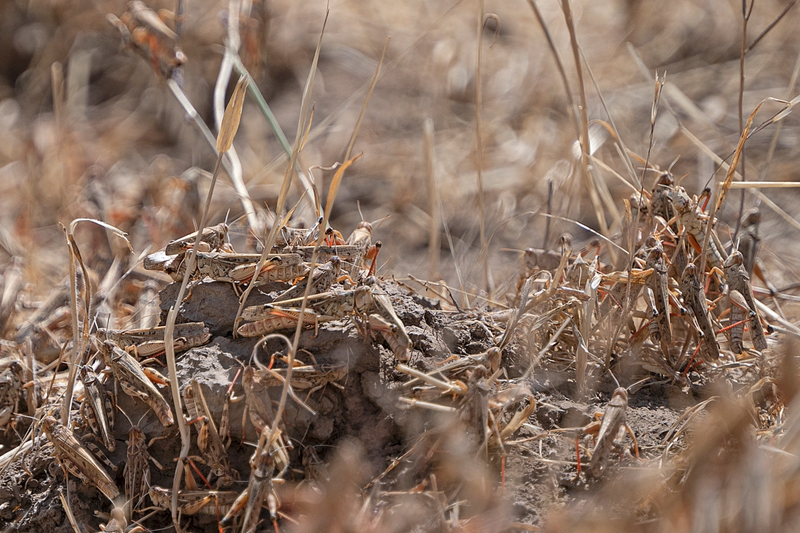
x,y
614,377
669,168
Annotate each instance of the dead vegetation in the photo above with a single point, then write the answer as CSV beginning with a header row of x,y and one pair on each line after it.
x,y
264,372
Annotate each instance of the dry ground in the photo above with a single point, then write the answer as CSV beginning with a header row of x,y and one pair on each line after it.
x,y
113,144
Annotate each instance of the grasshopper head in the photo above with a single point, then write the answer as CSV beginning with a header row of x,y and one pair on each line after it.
x,y
622,393
733,260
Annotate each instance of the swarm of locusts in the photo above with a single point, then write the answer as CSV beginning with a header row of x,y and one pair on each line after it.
x,y
342,286
670,301
682,307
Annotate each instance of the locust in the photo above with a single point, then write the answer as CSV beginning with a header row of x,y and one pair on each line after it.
x,y
320,280
211,239
135,383
259,488
76,459
661,203
215,454
307,377
331,305
259,408
237,268
657,283
298,236
346,252
137,466
98,409
739,282
607,433
694,297
117,523
694,222
192,502
150,342
749,245
11,288
10,392
241,267
361,236
143,28
397,339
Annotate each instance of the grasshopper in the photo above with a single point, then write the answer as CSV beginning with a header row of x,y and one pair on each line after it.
x,y
663,193
320,279
608,433
361,236
11,288
237,268
312,377
331,305
739,281
117,523
10,391
298,236
131,377
215,455
192,502
98,409
749,244
398,337
137,467
259,408
657,283
211,239
694,222
150,342
143,28
695,299
76,459
749,241
259,488
346,252
397,340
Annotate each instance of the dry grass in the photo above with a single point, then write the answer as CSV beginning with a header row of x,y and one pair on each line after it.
x,y
469,142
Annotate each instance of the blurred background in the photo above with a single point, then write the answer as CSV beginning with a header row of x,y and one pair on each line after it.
x,y
89,127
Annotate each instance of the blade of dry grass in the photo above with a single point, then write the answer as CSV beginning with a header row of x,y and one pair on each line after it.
x,y
559,65
232,43
617,136
433,203
484,253
726,184
584,120
227,162
745,19
349,150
